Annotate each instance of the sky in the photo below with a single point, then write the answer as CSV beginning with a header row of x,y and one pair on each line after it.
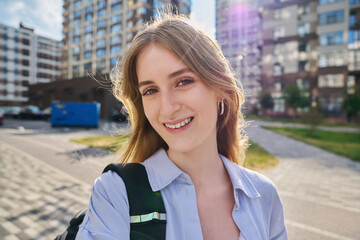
x,y
45,16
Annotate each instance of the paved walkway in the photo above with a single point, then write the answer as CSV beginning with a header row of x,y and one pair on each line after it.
x,y
299,125
320,190
36,200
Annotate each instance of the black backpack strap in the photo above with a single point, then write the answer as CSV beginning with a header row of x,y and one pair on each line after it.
x,y
147,210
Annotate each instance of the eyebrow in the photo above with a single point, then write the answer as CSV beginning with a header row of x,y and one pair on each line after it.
x,y
171,75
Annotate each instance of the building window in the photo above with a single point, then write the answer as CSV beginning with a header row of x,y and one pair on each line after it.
x,y
303,84
100,52
304,46
76,68
115,40
115,7
101,43
87,55
101,4
141,10
303,66
87,47
331,81
279,32
331,59
100,64
101,12
88,36
88,28
116,28
88,9
351,84
76,50
129,36
354,61
354,2
76,40
113,62
322,2
87,66
303,28
101,23
129,24
101,33
277,70
139,22
303,9
77,32
332,38
88,17
354,39
115,49
330,104
116,19
277,13
76,22
331,17
279,105
77,14
130,14
77,4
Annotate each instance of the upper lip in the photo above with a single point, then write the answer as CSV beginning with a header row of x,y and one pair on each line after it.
x,y
176,121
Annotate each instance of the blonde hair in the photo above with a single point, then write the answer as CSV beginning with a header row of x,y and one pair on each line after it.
x,y
205,58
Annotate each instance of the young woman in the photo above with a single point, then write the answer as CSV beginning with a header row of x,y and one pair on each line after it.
x,y
184,105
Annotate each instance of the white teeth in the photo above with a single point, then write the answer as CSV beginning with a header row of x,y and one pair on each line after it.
x,y
178,125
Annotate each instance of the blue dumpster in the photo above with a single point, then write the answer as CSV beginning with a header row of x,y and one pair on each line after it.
x,y
75,114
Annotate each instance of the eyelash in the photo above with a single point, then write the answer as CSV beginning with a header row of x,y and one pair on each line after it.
x,y
182,82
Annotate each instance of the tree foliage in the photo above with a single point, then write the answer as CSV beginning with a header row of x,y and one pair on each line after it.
x,y
351,105
294,98
266,100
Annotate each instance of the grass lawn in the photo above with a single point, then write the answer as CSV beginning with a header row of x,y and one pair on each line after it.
x,y
325,124
256,157
342,143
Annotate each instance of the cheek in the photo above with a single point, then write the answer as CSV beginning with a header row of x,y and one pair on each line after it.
x,y
149,111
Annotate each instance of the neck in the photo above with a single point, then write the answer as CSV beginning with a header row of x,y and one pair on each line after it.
x,y
203,165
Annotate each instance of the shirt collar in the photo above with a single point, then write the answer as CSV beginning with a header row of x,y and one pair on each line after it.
x,y
240,179
162,171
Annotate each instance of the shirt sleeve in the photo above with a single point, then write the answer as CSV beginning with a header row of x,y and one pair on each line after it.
x,y
277,225
107,217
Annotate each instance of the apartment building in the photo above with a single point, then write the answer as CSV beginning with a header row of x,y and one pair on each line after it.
x,y
238,30
25,58
314,44
96,31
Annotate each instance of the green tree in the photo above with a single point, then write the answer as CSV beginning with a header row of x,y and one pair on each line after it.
x,y
294,98
351,105
266,100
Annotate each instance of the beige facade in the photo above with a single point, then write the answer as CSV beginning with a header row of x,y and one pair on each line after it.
x,y
25,58
308,43
95,32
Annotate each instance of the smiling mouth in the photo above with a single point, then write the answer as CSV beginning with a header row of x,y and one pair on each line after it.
x,y
180,124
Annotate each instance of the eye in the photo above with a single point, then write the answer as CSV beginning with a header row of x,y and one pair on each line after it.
x,y
149,91
185,81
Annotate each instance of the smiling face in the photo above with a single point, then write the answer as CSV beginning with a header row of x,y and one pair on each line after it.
x,y
178,105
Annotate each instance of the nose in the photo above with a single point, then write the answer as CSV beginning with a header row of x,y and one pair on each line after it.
x,y
169,105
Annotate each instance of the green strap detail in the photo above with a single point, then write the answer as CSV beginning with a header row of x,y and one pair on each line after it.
x,y
147,210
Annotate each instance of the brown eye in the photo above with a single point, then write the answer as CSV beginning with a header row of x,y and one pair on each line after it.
x,y
185,81
149,91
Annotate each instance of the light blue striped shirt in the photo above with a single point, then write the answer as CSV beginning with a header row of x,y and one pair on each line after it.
x,y
258,211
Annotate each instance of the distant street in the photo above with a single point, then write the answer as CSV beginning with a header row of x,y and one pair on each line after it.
x,y
45,179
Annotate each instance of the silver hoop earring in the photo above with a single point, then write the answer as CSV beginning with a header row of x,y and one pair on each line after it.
x,y
221,106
